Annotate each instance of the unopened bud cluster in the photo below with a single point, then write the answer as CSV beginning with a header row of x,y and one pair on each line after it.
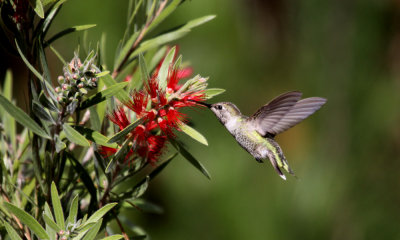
x,y
77,80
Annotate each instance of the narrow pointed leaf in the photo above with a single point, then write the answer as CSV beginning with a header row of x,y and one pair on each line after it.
x,y
113,237
50,231
51,223
103,95
83,176
73,210
11,232
122,95
21,117
145,206
164,14
41,112
58,211
198,21
121,134
212,92
190,158
67,31
95,136
38,7
58,55
74,136
122,151
101,74
101,212
46,102
193,133
143,68
126,49
93,231
158,41
164,69
28,220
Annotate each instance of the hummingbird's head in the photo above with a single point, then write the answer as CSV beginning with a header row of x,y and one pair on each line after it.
x,y
225,111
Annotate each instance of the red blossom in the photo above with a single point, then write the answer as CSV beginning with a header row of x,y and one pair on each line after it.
x,y
138,103
119,118
163,114
107,151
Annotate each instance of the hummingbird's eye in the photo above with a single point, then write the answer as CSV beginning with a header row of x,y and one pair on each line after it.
x,y
219,107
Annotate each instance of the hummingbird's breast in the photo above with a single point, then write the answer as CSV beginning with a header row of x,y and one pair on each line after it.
x,y
250,140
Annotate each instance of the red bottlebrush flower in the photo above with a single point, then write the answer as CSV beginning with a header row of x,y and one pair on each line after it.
x,y
107,151
138,103
155,147
119,118
175,75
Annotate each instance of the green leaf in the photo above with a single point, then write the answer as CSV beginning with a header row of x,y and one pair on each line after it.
x,y
84,176
113,237
38,7
58,211
190,158
164,69
122,151
67,31
212,92
93,231
33,70
145,206
100,213
11,232
164,14
7,92
50,231
60,145
143,68
122,95
50,16
126,49
94,119
51,223
21,117
46,85
74,136
198,21
27,220
158,41
41,112
73,210
7,119
103,95
141,189
43,62
95,136
47,103
193,133
121,134
101,74
58,55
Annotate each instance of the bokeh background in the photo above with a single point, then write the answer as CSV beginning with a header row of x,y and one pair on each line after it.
x,y
346,156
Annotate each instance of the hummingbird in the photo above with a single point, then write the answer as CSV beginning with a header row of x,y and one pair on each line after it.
x,y
256,133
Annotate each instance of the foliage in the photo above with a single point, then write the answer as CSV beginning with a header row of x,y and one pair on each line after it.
x,y
68,143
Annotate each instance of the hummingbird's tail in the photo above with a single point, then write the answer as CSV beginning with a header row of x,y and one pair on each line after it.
x,y
277,159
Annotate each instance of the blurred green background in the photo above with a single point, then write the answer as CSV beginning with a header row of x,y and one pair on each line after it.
x,y
346,156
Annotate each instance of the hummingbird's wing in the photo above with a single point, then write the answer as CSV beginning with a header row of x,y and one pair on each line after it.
x,y
284,115
271,113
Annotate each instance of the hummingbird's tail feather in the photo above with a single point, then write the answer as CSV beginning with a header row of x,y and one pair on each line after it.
x,y
277,159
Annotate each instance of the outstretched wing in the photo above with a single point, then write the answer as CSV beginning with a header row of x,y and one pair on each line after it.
x,y
271,113
287,117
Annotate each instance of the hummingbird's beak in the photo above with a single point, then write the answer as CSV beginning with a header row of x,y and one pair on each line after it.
x,y
202,103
